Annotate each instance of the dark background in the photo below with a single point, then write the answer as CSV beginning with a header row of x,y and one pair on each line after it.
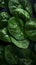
x,y
33,2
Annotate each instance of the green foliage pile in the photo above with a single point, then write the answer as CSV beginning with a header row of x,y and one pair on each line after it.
x,y
18,29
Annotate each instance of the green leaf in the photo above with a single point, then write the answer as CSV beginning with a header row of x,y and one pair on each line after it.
x,y
22,13
4,17
14,28
4,36
17,35
9,55
26,5
2,3
21,44
30,29
13,4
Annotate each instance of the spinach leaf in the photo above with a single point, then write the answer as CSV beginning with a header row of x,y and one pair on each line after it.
x,y
17,35
14,28
30,29
11,58
13,4
4,17
21,44
22,13
4,36
9,55
26,5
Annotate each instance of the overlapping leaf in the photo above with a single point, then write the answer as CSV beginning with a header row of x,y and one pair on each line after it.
x,y
9,56
4,36
13,4
4,17
26,5
30,29
17,36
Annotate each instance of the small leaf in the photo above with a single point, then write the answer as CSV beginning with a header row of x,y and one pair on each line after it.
x,y
4,16
4,36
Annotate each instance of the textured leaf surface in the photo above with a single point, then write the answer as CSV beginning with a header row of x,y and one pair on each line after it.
x,y
26,5
13,4
21,44
17,36
9,56
14,28
4,16
4,36
22,13
30,29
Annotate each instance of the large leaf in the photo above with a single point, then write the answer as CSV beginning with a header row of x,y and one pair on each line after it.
x,y
26,5
15,29
30,29
17,35
4,16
